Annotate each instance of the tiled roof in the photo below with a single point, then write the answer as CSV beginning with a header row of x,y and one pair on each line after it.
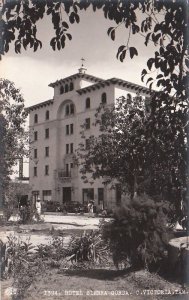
x,y
39,105
116,81
75,76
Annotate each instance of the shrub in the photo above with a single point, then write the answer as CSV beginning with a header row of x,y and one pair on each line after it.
x,y
54,250
138,233
21,264
89,248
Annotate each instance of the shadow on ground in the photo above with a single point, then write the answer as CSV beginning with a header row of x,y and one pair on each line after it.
x,y
99,274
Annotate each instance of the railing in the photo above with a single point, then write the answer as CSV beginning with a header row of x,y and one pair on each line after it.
x,y
62,175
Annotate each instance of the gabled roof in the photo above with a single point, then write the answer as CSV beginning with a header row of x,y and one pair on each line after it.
x,y
117,81
91,78
42,104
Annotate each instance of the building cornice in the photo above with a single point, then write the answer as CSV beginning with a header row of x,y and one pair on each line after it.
x,y
114,81
40,105
75,76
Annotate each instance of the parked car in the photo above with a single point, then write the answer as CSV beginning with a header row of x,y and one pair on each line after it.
x,y
52,206
73,207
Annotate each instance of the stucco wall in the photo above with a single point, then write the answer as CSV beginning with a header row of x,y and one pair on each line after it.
x,y
58,139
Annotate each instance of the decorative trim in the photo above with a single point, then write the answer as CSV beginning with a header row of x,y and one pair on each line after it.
x,y
40,105
75,76
118,81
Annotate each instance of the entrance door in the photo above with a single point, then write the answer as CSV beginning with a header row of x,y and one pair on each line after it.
x,y
67,194
88,195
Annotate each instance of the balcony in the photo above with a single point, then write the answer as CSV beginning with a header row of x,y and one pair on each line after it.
x,y
62,175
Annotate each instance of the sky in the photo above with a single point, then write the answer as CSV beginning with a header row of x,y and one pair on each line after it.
x,y
33,71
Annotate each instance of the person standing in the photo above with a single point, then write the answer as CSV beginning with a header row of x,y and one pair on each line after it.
x,y
38,206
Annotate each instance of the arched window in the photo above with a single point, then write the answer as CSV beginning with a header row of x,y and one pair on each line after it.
x,y
67,109
35,118
47,115
61,90
71,86
103,98
88,103
71,109
129,98
66,88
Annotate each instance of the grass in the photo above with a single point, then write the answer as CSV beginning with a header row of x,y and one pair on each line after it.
x,y
98,284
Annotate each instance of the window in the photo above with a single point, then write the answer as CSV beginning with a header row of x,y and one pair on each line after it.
x,y
66,88
67,129
67,170
47,195
87,123
67,148
100,196
71,129
47,151
104,98
47,170
35,135
88,103
35,171
71,166
71,148
47,115
61,90
47,133
67,110
71,109
71,86
35,153
35,118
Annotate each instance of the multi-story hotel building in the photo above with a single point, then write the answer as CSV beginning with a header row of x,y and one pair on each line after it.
x,y
55,127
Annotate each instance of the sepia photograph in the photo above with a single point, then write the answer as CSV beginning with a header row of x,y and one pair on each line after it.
x,y
94,139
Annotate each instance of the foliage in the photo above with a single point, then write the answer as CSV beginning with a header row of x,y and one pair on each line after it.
x,y
141,147
21,265
13,195
138,233
55,250
162,23
11,201
12,132
28,214
89,247
22,261
2,258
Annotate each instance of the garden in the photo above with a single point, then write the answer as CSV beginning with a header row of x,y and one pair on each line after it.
x,y
118,258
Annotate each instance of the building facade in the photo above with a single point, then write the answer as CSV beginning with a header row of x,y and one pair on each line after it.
x,y
55,127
